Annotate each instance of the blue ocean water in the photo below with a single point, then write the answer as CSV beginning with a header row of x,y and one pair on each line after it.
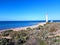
x,y
16,24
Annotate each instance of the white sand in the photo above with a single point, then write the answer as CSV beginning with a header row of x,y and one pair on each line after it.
x,y
24,28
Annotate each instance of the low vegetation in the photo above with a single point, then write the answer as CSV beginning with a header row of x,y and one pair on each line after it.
x,y
48,34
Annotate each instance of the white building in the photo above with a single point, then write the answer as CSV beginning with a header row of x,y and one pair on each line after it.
x,y
46,18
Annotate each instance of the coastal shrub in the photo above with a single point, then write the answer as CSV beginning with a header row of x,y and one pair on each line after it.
x,y
6,33
24,35
38,27
28,28
42,42
52,29
20,41
20,37
47,23
4,41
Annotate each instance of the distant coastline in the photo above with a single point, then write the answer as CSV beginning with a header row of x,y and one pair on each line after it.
x,y
33,26
16,24
24,24
24,28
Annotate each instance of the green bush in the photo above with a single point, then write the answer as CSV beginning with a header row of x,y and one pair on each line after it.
x,y
6,33
28,28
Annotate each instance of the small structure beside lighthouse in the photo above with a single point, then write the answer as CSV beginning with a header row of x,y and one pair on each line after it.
x,y
46,18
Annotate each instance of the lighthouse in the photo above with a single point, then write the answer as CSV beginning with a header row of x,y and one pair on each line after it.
x,y
46,18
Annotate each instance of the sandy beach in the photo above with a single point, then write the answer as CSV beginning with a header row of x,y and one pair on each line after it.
x,y
24,28
33,26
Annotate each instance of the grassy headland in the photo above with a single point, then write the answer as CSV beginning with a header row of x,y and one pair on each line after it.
x,y
49,34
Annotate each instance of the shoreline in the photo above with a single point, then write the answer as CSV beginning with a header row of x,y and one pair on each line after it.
x,y
24,28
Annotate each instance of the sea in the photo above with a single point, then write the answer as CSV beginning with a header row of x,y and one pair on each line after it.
x,y
17,24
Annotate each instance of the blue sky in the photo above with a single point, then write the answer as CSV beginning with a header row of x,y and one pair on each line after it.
x,y
29,10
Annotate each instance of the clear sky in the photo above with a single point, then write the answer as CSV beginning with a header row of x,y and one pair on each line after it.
x,y
29,9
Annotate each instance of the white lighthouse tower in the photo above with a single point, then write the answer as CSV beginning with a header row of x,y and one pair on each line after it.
x,y
46,18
